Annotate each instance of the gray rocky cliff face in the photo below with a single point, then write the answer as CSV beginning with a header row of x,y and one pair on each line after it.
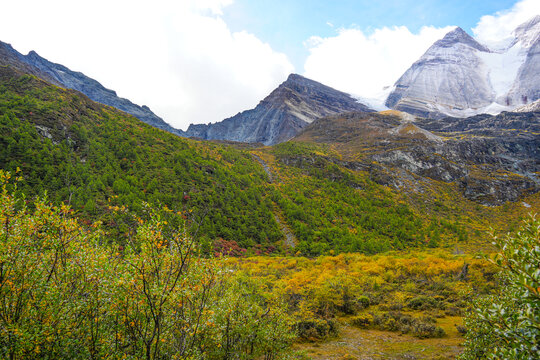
x,y
448,76
457,76
62,76
491,159
11,57
282,114
526,88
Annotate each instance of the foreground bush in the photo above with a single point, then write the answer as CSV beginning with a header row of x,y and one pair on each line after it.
x,y
316,329
422,328
507,325
67,294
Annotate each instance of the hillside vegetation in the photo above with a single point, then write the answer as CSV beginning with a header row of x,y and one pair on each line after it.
x,y
95,157
106,165
119,240
66,293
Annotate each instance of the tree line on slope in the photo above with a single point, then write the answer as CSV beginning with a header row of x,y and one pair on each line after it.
x,y
86,154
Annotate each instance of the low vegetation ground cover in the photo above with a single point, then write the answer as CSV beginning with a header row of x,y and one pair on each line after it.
x,y
419,296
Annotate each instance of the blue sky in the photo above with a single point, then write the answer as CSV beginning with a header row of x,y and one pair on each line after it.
x,y
287,24
200,61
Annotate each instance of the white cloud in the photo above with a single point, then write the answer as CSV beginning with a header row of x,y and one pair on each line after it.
x,y
496,30
363,64
178,57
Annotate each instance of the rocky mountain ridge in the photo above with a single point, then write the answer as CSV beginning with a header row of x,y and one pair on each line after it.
x,y
61,76
281,115
491,159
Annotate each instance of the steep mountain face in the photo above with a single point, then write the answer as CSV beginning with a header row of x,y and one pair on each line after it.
x,y
282,114
458,76
11,57
523,51
491,159
526,87
449,76
62,76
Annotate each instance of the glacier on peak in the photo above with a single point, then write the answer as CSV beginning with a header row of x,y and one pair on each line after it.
x,y
503,68
460,77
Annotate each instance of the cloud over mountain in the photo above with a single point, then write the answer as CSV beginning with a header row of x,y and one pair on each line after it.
x,y
496,30
176,56
363,64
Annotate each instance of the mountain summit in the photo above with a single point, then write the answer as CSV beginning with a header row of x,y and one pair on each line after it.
x,y
448,77
528,32
459,36
460,77
281,115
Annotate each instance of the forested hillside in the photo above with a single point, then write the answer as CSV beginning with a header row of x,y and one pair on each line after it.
x,y
96,158
107,164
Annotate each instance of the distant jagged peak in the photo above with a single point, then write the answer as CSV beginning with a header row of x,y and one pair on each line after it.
x,y
7,46
528,32
34,57
32,53
295,103
296,79
62,76
459,36
298,87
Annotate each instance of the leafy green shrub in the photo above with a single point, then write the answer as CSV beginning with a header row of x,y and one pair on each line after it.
x,y
362,322
424,327
363,302
453,311
395,306
506,325
422,303
461,329
425,330
316,329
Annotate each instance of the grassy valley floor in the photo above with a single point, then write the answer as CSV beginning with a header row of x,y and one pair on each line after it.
x,y
362,344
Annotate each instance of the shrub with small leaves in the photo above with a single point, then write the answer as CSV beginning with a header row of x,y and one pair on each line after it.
x,y
316,329
507,325
362,322
422,328
422,303
363,302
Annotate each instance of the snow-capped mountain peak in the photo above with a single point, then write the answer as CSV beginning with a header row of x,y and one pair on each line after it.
x,y
460,77
458,35
528,32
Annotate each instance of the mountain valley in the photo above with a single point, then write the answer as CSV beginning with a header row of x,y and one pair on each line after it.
x,y
309,227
